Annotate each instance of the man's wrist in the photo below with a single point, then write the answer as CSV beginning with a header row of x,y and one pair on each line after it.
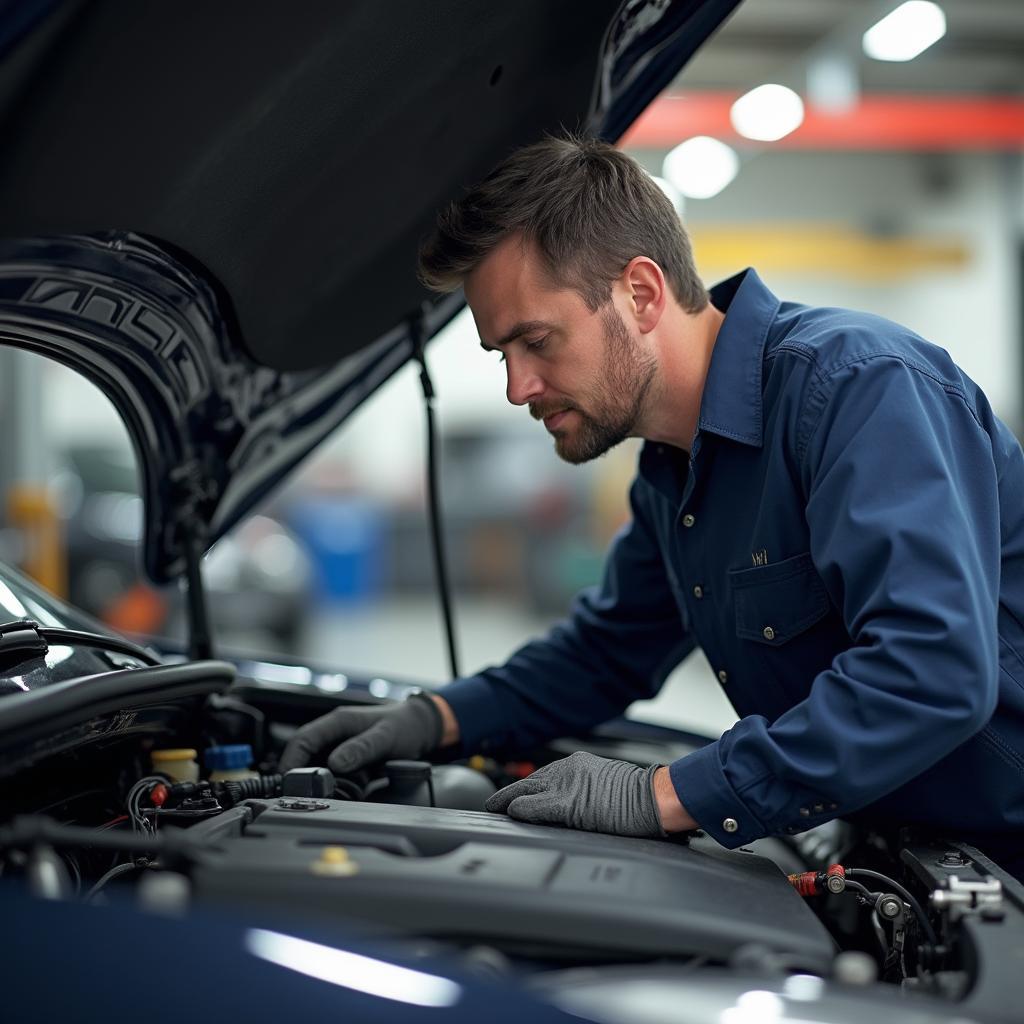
x,y
674,816
449,723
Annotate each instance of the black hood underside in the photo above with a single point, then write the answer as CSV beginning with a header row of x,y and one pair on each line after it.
x,y
213,210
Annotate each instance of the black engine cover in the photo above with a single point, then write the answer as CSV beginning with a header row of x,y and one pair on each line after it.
x,y
468,875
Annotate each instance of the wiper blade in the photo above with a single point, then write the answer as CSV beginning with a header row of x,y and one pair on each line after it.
x,y
25,639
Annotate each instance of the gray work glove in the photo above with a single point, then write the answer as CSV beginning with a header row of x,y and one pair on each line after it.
x,y
357,737
586,792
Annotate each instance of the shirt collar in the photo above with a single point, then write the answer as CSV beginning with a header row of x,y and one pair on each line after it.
x,y
731,401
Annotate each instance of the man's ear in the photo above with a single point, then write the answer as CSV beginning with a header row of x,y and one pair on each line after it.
x,y
646,290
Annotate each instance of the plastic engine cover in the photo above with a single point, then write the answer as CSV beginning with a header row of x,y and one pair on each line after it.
x,y
472,875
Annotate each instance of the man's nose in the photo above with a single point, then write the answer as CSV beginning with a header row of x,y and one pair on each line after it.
x,y
523,385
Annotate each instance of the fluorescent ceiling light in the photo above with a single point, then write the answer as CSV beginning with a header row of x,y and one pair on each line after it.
x,y
767,113
350,970
906,32
701,167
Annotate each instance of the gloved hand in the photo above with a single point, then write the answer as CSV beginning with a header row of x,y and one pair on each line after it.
x,y
357,737
586,792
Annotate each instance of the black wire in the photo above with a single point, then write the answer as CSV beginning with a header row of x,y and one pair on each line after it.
x,y
440,564
62,636
114,872
908,897
347,789
25,831
106,643
858,888
72,862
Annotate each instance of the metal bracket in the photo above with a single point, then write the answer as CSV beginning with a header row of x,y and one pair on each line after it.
x,y
20,641
965,897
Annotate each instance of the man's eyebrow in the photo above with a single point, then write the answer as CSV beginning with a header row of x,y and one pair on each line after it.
x,y
521,328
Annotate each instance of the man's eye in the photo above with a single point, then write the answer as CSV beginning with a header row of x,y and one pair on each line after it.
x,y
533,346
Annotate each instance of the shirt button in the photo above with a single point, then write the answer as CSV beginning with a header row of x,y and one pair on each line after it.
x,y
804,812
688,520
768,633
730,824
723,676
818,808
698,591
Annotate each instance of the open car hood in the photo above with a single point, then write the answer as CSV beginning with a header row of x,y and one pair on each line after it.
x,y
212,211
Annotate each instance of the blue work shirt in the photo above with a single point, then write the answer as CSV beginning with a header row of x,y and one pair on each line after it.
x,y
845,541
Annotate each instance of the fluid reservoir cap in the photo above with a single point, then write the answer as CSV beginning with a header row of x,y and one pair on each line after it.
x,y
176,754
308,782
407,771
230,757
179,765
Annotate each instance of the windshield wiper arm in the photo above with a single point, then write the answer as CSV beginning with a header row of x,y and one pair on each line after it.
x,y
24,639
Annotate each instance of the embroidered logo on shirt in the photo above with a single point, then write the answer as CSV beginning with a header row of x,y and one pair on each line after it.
x,y
759,557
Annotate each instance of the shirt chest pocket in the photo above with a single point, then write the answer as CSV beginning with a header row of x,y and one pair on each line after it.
x,y
774,603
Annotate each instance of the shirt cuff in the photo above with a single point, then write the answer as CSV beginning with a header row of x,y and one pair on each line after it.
x,y
478,712
704,791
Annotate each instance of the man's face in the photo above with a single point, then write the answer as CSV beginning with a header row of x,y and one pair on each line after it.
x,y
583,373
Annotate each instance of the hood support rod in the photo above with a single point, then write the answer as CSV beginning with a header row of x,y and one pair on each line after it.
x,y
200,642
440,564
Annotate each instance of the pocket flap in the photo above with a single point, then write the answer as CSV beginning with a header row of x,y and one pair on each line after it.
x,y
776,602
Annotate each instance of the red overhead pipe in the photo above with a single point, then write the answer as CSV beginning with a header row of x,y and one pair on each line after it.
x,y
874,122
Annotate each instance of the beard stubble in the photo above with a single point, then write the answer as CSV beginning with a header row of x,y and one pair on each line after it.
x,y
616,401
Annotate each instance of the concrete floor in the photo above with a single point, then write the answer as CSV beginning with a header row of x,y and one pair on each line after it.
x,y
403,637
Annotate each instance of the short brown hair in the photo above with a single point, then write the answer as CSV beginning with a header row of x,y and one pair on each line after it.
x,y
588,208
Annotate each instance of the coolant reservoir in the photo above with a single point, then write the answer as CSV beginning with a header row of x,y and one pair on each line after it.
x,y
449,785
229,763
179,765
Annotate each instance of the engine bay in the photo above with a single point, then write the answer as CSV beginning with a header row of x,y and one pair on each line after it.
x,y
94,812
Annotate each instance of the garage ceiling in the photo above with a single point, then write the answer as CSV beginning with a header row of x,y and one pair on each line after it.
x,y
982,53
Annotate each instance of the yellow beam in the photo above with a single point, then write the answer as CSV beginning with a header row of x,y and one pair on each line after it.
x,y
822,249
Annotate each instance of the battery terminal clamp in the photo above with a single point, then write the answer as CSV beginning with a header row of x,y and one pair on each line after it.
x,y
817,883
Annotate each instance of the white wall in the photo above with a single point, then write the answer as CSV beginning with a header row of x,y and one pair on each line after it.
x,y
972,311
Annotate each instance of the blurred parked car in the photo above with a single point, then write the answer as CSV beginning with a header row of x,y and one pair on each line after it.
x,y
258,576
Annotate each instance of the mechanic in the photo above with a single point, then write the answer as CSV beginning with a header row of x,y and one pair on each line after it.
x,y
825,503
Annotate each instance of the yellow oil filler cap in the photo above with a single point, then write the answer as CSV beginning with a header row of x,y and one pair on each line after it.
x,y
335,862
178,764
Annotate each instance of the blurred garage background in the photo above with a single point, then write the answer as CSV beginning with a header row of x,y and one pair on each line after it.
x,y
886,175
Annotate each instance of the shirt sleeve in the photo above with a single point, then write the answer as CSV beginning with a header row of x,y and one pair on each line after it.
x,y
903,513
619,643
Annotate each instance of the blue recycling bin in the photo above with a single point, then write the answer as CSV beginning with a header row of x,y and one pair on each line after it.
x,y
345,539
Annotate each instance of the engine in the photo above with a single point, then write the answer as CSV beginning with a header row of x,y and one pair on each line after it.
x,y
408,853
